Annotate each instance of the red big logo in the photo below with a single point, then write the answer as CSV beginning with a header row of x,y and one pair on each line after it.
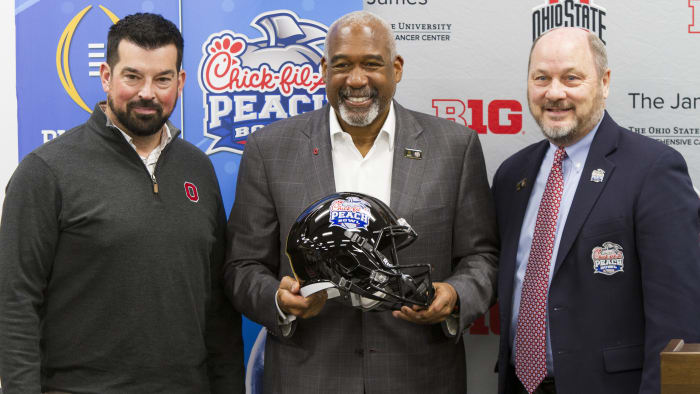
x,y
191,192
482,327
693,27
454,110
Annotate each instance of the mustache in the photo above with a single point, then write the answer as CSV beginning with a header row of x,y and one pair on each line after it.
x,y
560,104
144,104
366,91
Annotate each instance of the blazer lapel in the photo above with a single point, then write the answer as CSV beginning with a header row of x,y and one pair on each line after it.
x,y
407,173
522,189
587,192
320,181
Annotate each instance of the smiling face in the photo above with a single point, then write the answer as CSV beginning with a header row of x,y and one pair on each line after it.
x,y
142,88
359,73
566,95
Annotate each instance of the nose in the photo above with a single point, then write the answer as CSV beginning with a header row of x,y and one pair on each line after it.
x,y
147,92
357,78
555,91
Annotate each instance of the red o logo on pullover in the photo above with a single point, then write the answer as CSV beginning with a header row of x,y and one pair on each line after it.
x,y
191,191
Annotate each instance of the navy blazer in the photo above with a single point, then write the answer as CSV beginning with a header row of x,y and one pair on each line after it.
x,y
607,328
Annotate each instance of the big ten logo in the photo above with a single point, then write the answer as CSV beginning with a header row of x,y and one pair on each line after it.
x,y
480,326
693,27
51,134
503,116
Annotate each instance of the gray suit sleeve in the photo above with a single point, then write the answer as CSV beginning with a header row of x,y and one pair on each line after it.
x,y
252,266
28,235
475,238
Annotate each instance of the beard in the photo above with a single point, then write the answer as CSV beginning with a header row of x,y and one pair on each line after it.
x,y
355,116
142,125
569,133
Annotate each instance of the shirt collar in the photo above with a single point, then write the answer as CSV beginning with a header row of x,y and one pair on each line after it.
x,y
388,128
578,152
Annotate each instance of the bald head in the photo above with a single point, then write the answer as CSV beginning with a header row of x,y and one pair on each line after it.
x,y
596,46
362,20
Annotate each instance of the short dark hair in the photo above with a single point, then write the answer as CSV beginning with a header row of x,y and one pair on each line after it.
x,y
149,31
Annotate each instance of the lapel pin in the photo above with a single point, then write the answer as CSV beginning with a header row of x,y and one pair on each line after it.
x,y
416,154
521,185
597,175
315,151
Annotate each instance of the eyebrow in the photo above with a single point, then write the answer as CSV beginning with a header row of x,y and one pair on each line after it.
x,y
543,71
135,71
366,57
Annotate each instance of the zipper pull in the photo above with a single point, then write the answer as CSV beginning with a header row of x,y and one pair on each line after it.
x,y
155,184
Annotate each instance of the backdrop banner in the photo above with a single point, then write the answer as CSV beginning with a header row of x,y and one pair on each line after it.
x,y
250,63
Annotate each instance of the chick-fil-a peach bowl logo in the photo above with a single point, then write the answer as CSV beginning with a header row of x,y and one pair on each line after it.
x,y
248,83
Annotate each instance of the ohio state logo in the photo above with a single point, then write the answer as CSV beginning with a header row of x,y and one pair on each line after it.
x,y
568,13
191,192
249,83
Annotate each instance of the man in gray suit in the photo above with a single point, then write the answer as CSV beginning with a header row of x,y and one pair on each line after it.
x,y
430,171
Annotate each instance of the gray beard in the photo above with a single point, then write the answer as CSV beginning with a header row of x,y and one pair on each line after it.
x,y
564,136
358,119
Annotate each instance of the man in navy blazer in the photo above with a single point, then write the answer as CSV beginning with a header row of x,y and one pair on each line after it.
x,y
624,270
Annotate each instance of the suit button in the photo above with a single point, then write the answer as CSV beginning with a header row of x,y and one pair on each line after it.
x,y
359,352
372,350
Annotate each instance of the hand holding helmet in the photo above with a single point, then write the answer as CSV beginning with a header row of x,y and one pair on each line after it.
x,y
291,302
442,306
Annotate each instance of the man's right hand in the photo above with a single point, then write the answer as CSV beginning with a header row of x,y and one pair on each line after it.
x,y
292,302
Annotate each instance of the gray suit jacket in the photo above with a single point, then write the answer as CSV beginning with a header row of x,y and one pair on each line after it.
x,y
444,196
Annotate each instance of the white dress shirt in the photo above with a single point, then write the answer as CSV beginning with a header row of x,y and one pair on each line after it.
x,y
370,174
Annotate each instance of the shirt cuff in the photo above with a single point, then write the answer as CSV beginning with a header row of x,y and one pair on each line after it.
x,y
282,318
451,326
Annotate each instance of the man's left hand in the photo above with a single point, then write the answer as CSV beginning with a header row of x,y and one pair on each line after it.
x,y
441,307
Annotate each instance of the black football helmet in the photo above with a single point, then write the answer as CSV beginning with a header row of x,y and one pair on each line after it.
x,y
347,244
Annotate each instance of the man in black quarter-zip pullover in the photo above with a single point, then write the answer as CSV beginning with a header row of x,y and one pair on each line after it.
x,y
112,241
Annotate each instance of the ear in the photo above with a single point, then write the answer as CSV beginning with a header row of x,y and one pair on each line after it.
x,y
324,66
180,82
606,83
105,75
398,68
